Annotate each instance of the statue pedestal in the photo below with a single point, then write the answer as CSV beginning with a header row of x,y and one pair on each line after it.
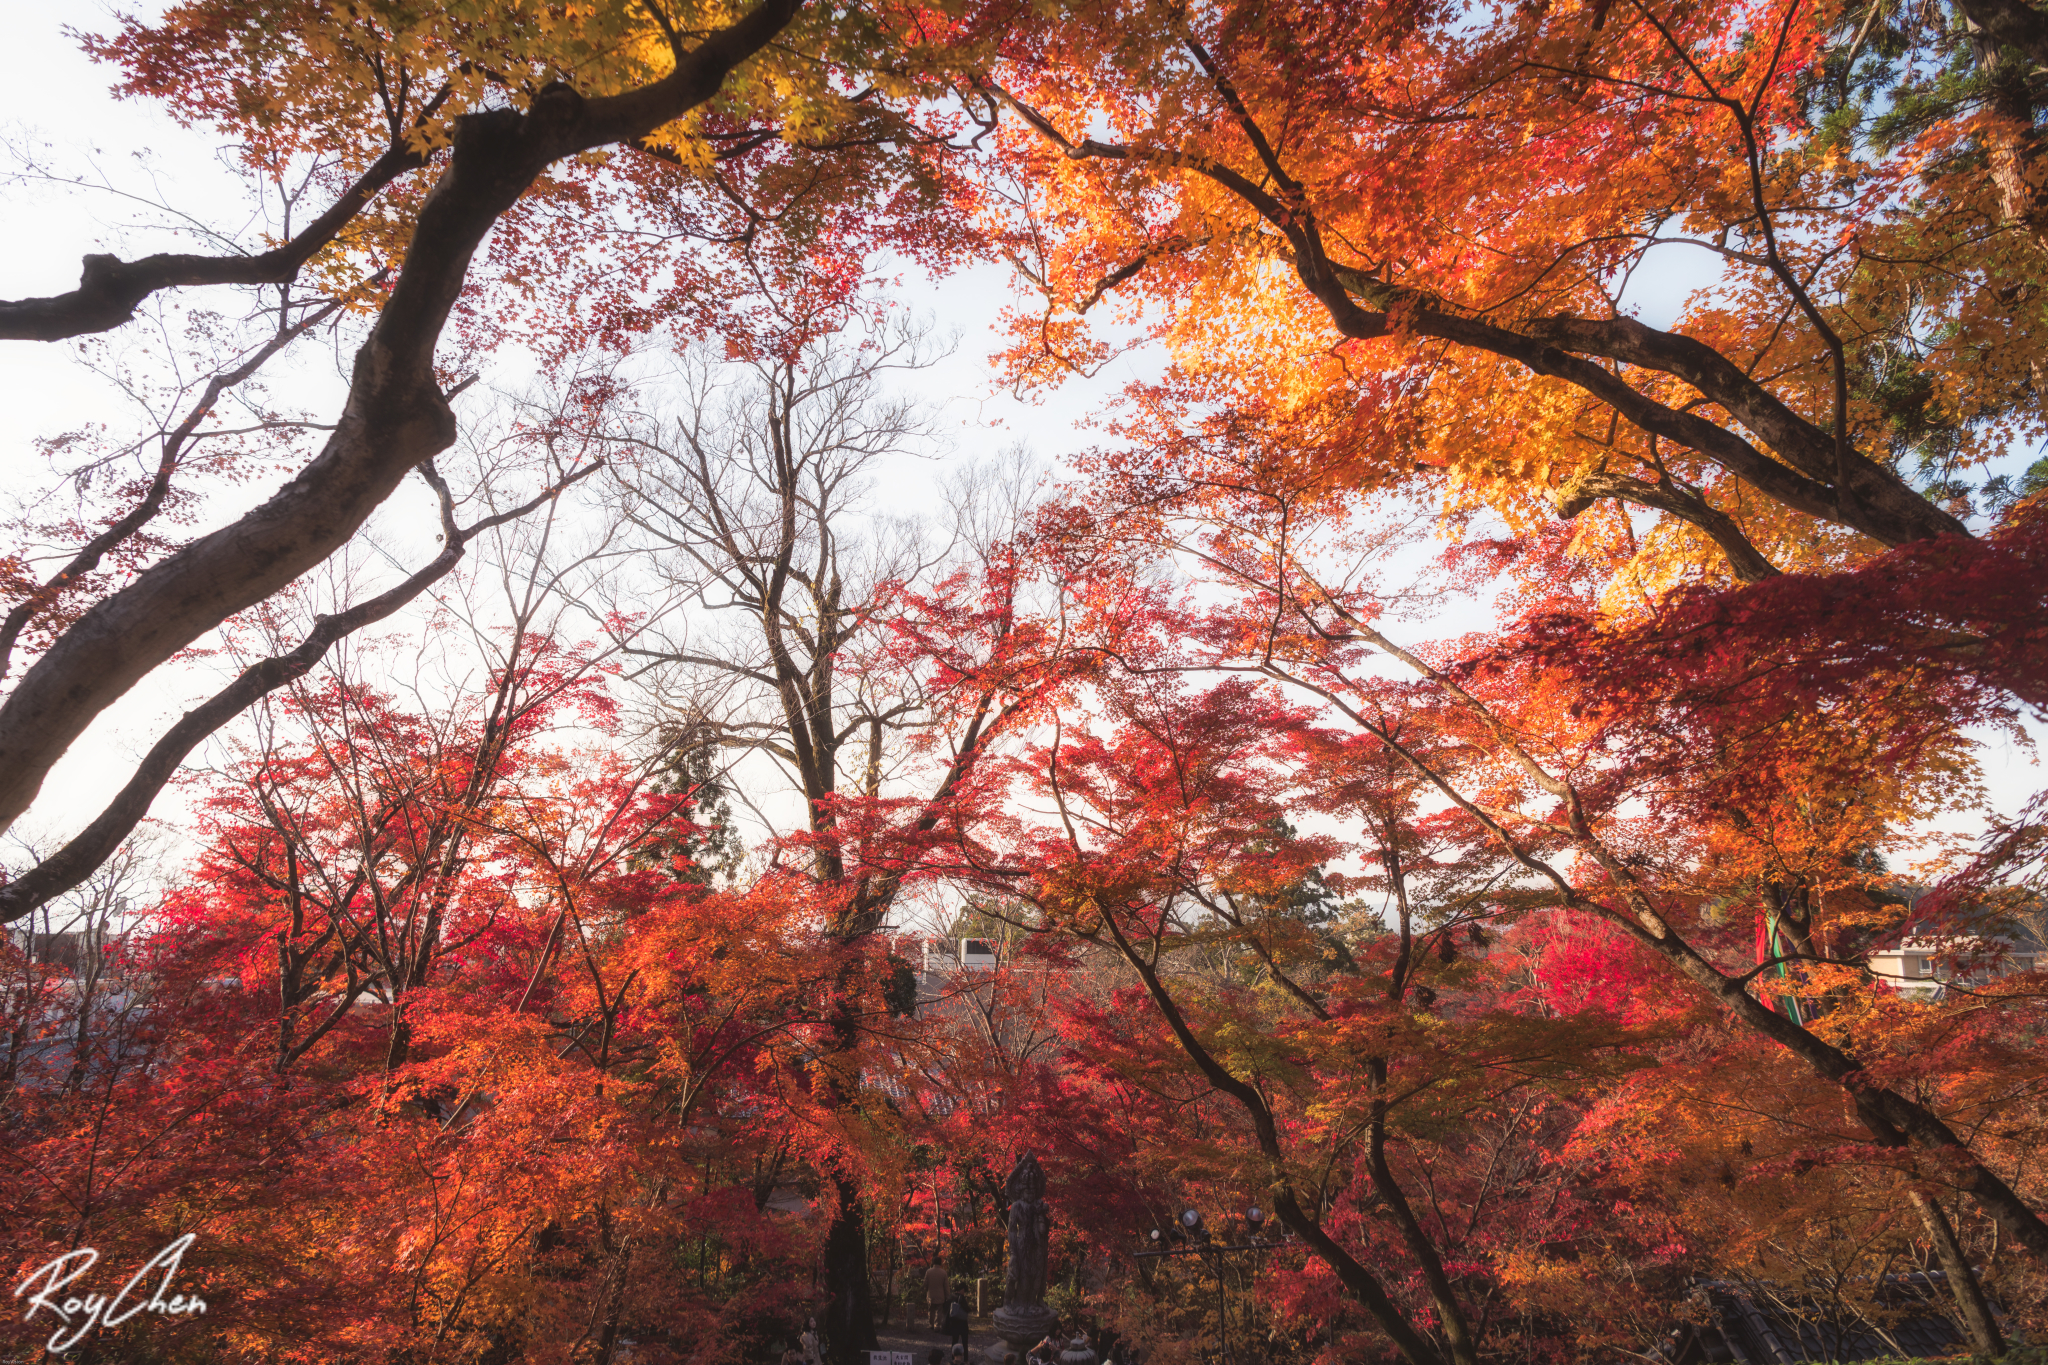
x,y
1023,1328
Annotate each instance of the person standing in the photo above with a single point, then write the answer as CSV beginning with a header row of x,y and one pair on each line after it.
x,y
814,1346
936,1290
956,1328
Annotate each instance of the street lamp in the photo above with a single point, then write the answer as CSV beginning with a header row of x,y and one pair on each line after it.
x,y
1190,1231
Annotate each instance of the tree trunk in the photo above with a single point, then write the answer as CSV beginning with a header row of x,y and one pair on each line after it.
x,y
849,1319
1962,1279
1451,1322
394,417
1358,1280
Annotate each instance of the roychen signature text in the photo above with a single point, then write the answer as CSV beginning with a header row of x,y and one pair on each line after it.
x,y
79,1313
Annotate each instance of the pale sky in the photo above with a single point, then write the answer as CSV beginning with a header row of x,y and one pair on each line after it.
x,y
57,109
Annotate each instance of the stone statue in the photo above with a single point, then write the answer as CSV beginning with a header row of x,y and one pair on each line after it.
x,y
1030,1233
1024,1319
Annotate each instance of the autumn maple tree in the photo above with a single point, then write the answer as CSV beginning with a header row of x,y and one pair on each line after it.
x,y
1167,837
1439,767
1414,226
418,954
1391,251
429,129
1662,788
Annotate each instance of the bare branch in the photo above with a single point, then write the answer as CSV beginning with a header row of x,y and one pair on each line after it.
x,y
74,862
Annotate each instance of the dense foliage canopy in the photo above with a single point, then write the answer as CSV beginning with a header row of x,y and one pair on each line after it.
x,y
1481,760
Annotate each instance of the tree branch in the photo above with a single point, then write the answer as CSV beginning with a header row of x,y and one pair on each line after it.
x,y
93,551
395,416
1821,475
73,863
110,289
1745,561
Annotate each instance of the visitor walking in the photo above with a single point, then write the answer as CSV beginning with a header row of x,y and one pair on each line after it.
x,y
814,1347
935,1291
956,1329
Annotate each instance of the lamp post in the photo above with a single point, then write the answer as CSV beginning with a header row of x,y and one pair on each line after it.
x,y
1193,1236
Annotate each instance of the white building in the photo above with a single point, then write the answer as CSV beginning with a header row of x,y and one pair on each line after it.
x,y
949,954
1923,967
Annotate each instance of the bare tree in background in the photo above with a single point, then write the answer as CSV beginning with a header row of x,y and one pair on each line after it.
x,y
771,496
755,493
60,973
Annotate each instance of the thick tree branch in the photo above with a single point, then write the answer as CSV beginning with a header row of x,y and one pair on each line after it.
x,y
1883,506
110,289
2013,22
1820,475
74,862
1745,561
395,416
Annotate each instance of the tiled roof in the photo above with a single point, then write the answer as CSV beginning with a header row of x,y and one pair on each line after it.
x,y
1759,1324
